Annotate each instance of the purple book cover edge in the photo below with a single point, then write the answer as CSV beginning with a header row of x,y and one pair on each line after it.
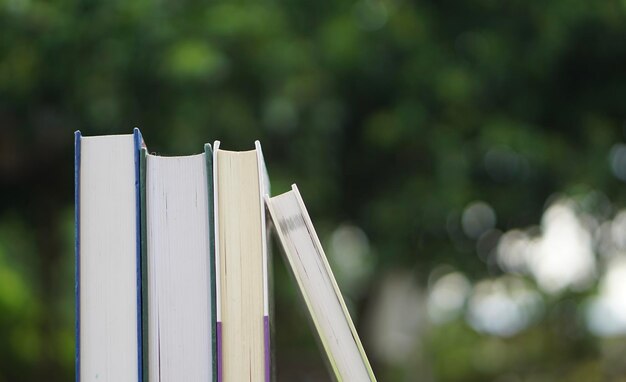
x,y
218,335
266,332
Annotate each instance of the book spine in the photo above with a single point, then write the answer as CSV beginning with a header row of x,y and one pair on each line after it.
x,y
139,144
77,137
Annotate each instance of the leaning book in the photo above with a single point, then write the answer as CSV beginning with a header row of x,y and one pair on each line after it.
x,y
318,287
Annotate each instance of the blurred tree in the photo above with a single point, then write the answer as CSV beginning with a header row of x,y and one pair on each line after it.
x,y
391,116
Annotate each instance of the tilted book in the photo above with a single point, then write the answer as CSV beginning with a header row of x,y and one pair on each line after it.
x,y
318,287
241,258
108,258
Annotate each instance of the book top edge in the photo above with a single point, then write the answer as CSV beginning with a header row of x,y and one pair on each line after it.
x,y
232,152
165,157
110,136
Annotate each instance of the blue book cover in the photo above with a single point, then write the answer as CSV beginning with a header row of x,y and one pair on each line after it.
x,y
77,138
139,148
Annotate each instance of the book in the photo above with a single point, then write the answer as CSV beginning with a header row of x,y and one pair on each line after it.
x,y
172,267
241,265
108,258
318,287
180,294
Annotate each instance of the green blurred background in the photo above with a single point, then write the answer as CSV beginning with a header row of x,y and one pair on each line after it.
x,y
463,161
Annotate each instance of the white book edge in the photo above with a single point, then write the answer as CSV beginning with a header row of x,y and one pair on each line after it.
x,y
264,189
317,243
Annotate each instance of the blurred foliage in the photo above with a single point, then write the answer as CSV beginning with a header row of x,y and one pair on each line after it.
x,y
391,116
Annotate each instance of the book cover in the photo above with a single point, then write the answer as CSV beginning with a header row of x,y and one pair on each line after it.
x,y
140,148
264,187
216,265
77,138
143,152
208,153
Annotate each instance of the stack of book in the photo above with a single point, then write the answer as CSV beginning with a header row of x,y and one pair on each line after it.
x,y
172,267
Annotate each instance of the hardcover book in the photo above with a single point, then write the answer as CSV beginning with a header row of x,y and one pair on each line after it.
x,y
108,258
